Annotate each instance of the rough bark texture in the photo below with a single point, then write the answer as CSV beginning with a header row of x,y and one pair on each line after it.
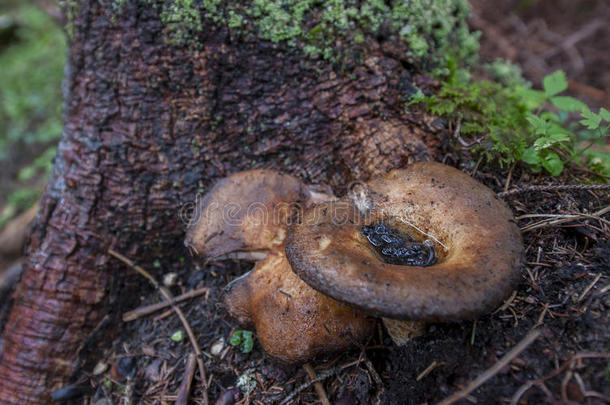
x,y
148,126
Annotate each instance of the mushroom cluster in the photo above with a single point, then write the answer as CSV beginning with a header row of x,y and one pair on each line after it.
x,y
246,215
423,244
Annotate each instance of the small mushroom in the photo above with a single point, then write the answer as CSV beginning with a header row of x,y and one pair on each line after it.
x,y
247,213
434,209
294,323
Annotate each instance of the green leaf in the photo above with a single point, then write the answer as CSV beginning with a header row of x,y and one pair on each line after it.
x,y
553,164
530,156
177,336
539,125
27,173
248,342
604,114
549,116
555,138
566,103
554,83
235,339
591,120
531,98
243,339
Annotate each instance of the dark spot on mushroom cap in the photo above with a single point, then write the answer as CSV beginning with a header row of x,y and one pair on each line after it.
x,y
479,249
395,248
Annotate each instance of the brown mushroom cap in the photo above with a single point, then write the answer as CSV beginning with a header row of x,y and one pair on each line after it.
x,y
246,211
476,240
294,323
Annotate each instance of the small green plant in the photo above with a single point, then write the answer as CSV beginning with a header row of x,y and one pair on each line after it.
x,y
43,163
246,382
177,336
513,122
243,339
30,84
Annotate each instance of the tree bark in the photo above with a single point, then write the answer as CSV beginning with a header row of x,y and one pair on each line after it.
x,y
150,125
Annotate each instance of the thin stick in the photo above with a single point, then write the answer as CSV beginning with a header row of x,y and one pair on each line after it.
x,y
560,219
599,275
149,309
185,388
555,187
508,178
540,381
168,296
429,369
317,385
300,388
493,370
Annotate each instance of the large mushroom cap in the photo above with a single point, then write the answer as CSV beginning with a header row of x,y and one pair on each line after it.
x,y
477,243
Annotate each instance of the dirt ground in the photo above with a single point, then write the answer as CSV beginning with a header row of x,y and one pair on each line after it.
x,y
547,344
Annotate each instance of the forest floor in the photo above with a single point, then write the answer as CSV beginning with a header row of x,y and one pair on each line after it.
x,y
548,343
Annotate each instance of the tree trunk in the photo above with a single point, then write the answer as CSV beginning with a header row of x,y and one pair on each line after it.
x,y
148,126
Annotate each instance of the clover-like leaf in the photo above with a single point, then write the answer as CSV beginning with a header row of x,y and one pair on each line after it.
x,y
177,336
567,103
591,120
552,163
554,83
243,339
539,125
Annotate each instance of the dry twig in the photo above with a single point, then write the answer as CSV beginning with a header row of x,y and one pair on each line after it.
x,y
554,187
302,387
185,388
169,297
540,381
317,385
493,370
557,219
149,309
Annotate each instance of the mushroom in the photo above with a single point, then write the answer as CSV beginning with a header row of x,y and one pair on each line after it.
x,y
294,323
460,252
244,215
247,214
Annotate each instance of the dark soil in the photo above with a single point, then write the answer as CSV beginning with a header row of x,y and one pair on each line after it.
x,y
563,292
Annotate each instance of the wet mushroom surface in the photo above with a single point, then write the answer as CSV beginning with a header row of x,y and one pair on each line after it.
x,y
478,245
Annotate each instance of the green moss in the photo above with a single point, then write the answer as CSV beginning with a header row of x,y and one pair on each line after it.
x,y
30,83
431,29
181,18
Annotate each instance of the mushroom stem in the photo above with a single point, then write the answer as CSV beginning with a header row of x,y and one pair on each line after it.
x,y
402,331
